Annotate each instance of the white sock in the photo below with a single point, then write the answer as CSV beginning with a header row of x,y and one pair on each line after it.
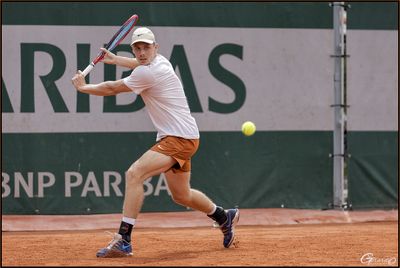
x,y
213,210
129,220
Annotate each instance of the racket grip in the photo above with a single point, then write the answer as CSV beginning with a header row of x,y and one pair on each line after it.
x,y
88,69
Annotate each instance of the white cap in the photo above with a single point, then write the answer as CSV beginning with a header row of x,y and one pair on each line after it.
x,y
143,34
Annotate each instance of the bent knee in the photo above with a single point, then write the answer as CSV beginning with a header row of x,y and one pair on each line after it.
x,y
181,199
133,175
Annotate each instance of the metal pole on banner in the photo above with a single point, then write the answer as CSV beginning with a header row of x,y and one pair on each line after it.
x,y
340,176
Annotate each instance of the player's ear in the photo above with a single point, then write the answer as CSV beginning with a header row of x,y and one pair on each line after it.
x,y
156,45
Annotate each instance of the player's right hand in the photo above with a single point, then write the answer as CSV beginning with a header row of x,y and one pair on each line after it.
x,y
109,57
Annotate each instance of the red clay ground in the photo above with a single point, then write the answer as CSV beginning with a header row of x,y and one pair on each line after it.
x,y
289,245
310,239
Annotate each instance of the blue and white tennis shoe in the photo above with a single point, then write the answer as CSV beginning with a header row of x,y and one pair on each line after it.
x,y
228,228
117,248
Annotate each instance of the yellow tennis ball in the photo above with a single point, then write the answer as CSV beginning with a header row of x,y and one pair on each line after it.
x,y
248,128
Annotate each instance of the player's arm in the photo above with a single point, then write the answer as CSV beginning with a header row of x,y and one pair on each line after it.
x,y
111,58
107,88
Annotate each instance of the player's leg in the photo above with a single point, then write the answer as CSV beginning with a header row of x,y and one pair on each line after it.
x,y
149,164
183,194
179,186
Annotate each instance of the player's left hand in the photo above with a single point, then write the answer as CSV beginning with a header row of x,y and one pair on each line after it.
x,y
78,80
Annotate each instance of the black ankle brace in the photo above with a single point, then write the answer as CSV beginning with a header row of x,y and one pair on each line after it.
x,y
125,231
219,216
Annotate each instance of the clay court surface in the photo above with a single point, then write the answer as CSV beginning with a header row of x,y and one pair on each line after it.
x,y
301,238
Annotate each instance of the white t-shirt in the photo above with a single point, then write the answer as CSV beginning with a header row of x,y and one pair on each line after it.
x,y
165,99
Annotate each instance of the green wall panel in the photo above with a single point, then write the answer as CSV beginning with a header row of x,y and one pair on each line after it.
x,y
373,169
364,15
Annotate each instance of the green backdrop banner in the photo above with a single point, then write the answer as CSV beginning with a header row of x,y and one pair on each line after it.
x,y
84,173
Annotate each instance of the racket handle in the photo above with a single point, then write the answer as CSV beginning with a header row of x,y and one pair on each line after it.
x,y
88,69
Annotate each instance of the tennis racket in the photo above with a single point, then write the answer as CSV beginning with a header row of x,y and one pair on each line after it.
x,y
115,40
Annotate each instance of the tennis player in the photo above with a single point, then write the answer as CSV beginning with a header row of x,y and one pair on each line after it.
x,y
177,139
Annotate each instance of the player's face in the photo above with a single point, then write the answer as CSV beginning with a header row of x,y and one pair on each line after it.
x,y
144,52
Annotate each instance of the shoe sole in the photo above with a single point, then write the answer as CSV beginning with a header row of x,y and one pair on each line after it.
x,y
234,222
115,254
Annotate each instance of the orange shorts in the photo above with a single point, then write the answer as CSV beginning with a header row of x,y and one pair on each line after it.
x,y
180,149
